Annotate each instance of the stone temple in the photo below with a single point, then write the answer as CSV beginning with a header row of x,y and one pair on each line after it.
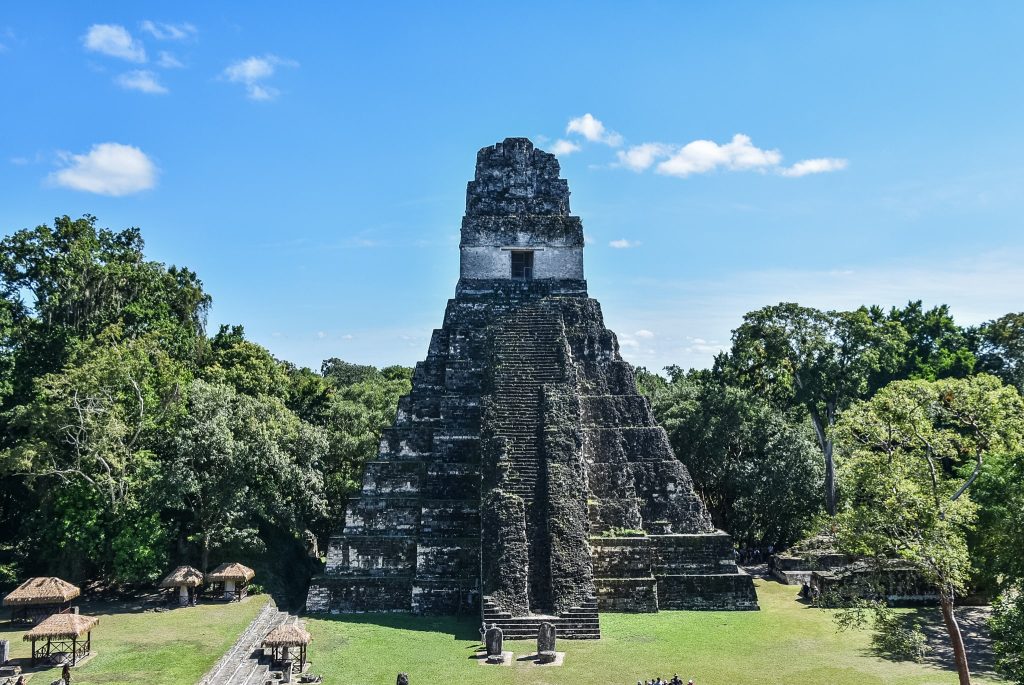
x,y
524,477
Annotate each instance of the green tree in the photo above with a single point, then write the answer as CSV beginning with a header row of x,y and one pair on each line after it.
x,y
1000,349
908,456
354,417
90,437
759,475
343,374
820,361
247,367
70,282
98,421
999,491
936,347
240,461
1007,625
67,292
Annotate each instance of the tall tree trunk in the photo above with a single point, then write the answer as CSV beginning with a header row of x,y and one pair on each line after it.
x,y
205,558
825,443
955,638
830,479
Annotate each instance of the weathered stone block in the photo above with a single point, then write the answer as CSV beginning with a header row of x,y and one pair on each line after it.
x,y
372,555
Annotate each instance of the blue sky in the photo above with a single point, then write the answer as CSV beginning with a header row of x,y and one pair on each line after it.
x,y
311,165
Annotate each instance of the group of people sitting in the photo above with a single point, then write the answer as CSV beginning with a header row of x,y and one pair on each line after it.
x,y
661,681
753,555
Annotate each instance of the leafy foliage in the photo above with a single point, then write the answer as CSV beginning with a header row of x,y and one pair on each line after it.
x,y
909,456
758,473
935,348
132,440
820,361
1000,349
1007,624
893,635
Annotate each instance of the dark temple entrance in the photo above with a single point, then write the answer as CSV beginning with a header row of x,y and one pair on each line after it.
x,y
522,264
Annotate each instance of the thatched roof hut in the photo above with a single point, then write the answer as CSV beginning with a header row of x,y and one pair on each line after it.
x,y
182,576
60,640
233,572
287,635
36,591
61,626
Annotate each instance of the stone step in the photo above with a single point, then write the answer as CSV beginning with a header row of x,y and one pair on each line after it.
x,y
243,663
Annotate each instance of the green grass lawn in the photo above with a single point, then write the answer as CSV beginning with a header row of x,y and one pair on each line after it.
x,y
157,648
786,642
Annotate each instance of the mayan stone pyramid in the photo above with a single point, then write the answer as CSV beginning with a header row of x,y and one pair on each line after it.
x,y
524,477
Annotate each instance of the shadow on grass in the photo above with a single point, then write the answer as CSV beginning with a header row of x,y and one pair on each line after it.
x,y
459,627
974,629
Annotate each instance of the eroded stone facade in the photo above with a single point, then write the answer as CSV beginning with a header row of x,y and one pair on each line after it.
x,y
524,451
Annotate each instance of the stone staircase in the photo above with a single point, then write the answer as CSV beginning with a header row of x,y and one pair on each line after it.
x,y
244,663
527,356
579,623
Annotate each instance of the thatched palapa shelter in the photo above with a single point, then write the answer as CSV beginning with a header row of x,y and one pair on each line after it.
x,y
185,580
37,598
285,637
62,633
234,577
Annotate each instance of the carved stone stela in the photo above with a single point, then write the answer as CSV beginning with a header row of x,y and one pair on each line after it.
x,y
524,476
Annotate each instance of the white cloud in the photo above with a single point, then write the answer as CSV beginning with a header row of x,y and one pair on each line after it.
x,y
252,71
115,41
162,31
593,130
6,37
347,336
321,334
107,169
142,80
564,147
622,244
701,156
168,61
815,166
644,333
640,157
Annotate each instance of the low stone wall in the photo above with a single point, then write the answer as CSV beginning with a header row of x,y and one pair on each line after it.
x,y
898,584
721,592
354,594
692,554
627,595
648,573
446,596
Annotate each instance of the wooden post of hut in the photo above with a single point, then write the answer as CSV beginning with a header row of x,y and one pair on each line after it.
x,y
182,582
62,633
233,578
37,598
286,636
